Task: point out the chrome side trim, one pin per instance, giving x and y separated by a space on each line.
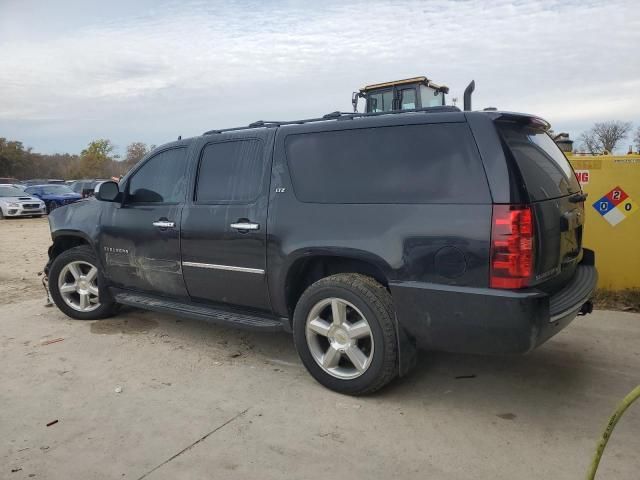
223 267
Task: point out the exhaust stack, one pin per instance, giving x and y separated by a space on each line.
467 95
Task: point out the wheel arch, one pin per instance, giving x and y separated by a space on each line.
310 268
64 240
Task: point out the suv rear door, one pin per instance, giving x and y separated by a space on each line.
556 199
224 227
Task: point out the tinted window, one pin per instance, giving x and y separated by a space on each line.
408 164
230 172
545 170
161 179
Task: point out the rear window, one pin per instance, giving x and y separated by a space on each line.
545 170
435 163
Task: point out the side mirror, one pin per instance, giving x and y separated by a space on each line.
354 101
108 192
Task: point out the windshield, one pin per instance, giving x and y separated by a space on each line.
545 170
56 190
10 192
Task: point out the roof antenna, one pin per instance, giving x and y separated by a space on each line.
179 137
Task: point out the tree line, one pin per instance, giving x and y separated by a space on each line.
98 160
606 136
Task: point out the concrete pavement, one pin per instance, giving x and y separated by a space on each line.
201 401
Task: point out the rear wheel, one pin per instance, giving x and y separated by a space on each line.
345 335
75 287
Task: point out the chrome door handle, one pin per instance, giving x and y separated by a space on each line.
164 224
245 226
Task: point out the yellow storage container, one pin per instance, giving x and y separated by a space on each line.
612 226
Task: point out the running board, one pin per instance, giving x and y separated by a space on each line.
250 321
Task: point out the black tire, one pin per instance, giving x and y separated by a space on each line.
36 216
83 253
375 303
1 215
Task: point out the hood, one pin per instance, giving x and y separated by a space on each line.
21 198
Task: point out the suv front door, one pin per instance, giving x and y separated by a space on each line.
140 240
224 226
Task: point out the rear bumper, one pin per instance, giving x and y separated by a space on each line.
484 320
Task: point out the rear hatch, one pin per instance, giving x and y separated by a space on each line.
555 197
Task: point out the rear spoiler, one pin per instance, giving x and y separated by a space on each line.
523 119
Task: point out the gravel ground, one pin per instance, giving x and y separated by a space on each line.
144 395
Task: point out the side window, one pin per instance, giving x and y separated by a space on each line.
429 97
380 102
161 179
437 163
230 172
408 99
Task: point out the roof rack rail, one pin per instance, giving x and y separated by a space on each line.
332 116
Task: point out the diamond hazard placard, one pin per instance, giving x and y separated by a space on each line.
615 206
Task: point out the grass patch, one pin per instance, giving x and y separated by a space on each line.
625 300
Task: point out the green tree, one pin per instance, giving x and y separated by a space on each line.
15 160
96 161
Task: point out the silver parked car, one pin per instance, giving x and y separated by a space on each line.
15 203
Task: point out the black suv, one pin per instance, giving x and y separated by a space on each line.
366 235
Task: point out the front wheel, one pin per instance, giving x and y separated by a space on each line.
74 285
344 333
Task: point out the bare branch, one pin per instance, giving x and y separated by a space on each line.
590 143
604 136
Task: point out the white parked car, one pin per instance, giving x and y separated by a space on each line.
15 203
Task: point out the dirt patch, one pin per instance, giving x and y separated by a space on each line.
624 300
23 253
130 325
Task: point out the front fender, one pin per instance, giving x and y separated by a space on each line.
80 220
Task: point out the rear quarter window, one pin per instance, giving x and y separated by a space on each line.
432 163
545 170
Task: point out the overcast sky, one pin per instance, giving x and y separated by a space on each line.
72 71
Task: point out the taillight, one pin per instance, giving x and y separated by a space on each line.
512 244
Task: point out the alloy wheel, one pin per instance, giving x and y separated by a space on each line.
339 338
78 286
